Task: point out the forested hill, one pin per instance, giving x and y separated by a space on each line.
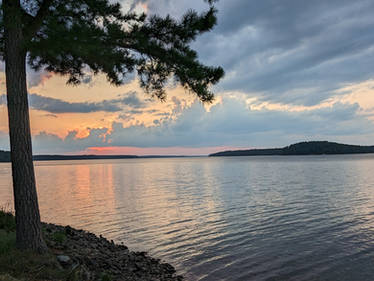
302 148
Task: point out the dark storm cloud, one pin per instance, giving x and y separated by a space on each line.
311 48
289 51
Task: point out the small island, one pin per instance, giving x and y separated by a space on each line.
301 148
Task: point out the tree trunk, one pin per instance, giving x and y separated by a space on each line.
28 226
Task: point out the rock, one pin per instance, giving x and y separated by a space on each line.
81 273
65 261
7 277
69 230
88 256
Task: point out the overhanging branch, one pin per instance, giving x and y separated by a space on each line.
37 21
27 18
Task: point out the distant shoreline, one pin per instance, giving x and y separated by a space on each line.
301 148
5 157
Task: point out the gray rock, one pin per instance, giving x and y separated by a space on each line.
65 261
89 256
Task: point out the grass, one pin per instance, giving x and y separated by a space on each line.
25 265
17 265
7 241
106 276
7 220
59 237
30 266
7 277
7 232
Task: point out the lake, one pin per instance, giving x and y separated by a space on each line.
235 218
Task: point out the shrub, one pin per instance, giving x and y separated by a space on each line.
7 221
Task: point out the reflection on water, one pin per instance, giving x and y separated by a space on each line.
244 218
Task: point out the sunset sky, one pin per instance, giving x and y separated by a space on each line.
295 71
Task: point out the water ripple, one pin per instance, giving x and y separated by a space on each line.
246 218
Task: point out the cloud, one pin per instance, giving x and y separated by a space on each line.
133 100
49 143
36 78
291 52
51 115
53 105
87 79
287 51
4 141
164 7
310 49
230 123
3 99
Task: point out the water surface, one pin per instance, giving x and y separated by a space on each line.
235 218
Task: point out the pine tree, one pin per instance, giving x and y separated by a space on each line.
67 37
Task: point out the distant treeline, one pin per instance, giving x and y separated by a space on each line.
302 148
5 157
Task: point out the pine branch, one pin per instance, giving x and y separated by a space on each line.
77 34
37 21
27 18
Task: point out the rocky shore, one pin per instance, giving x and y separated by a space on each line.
90 257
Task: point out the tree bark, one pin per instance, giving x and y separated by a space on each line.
28 225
